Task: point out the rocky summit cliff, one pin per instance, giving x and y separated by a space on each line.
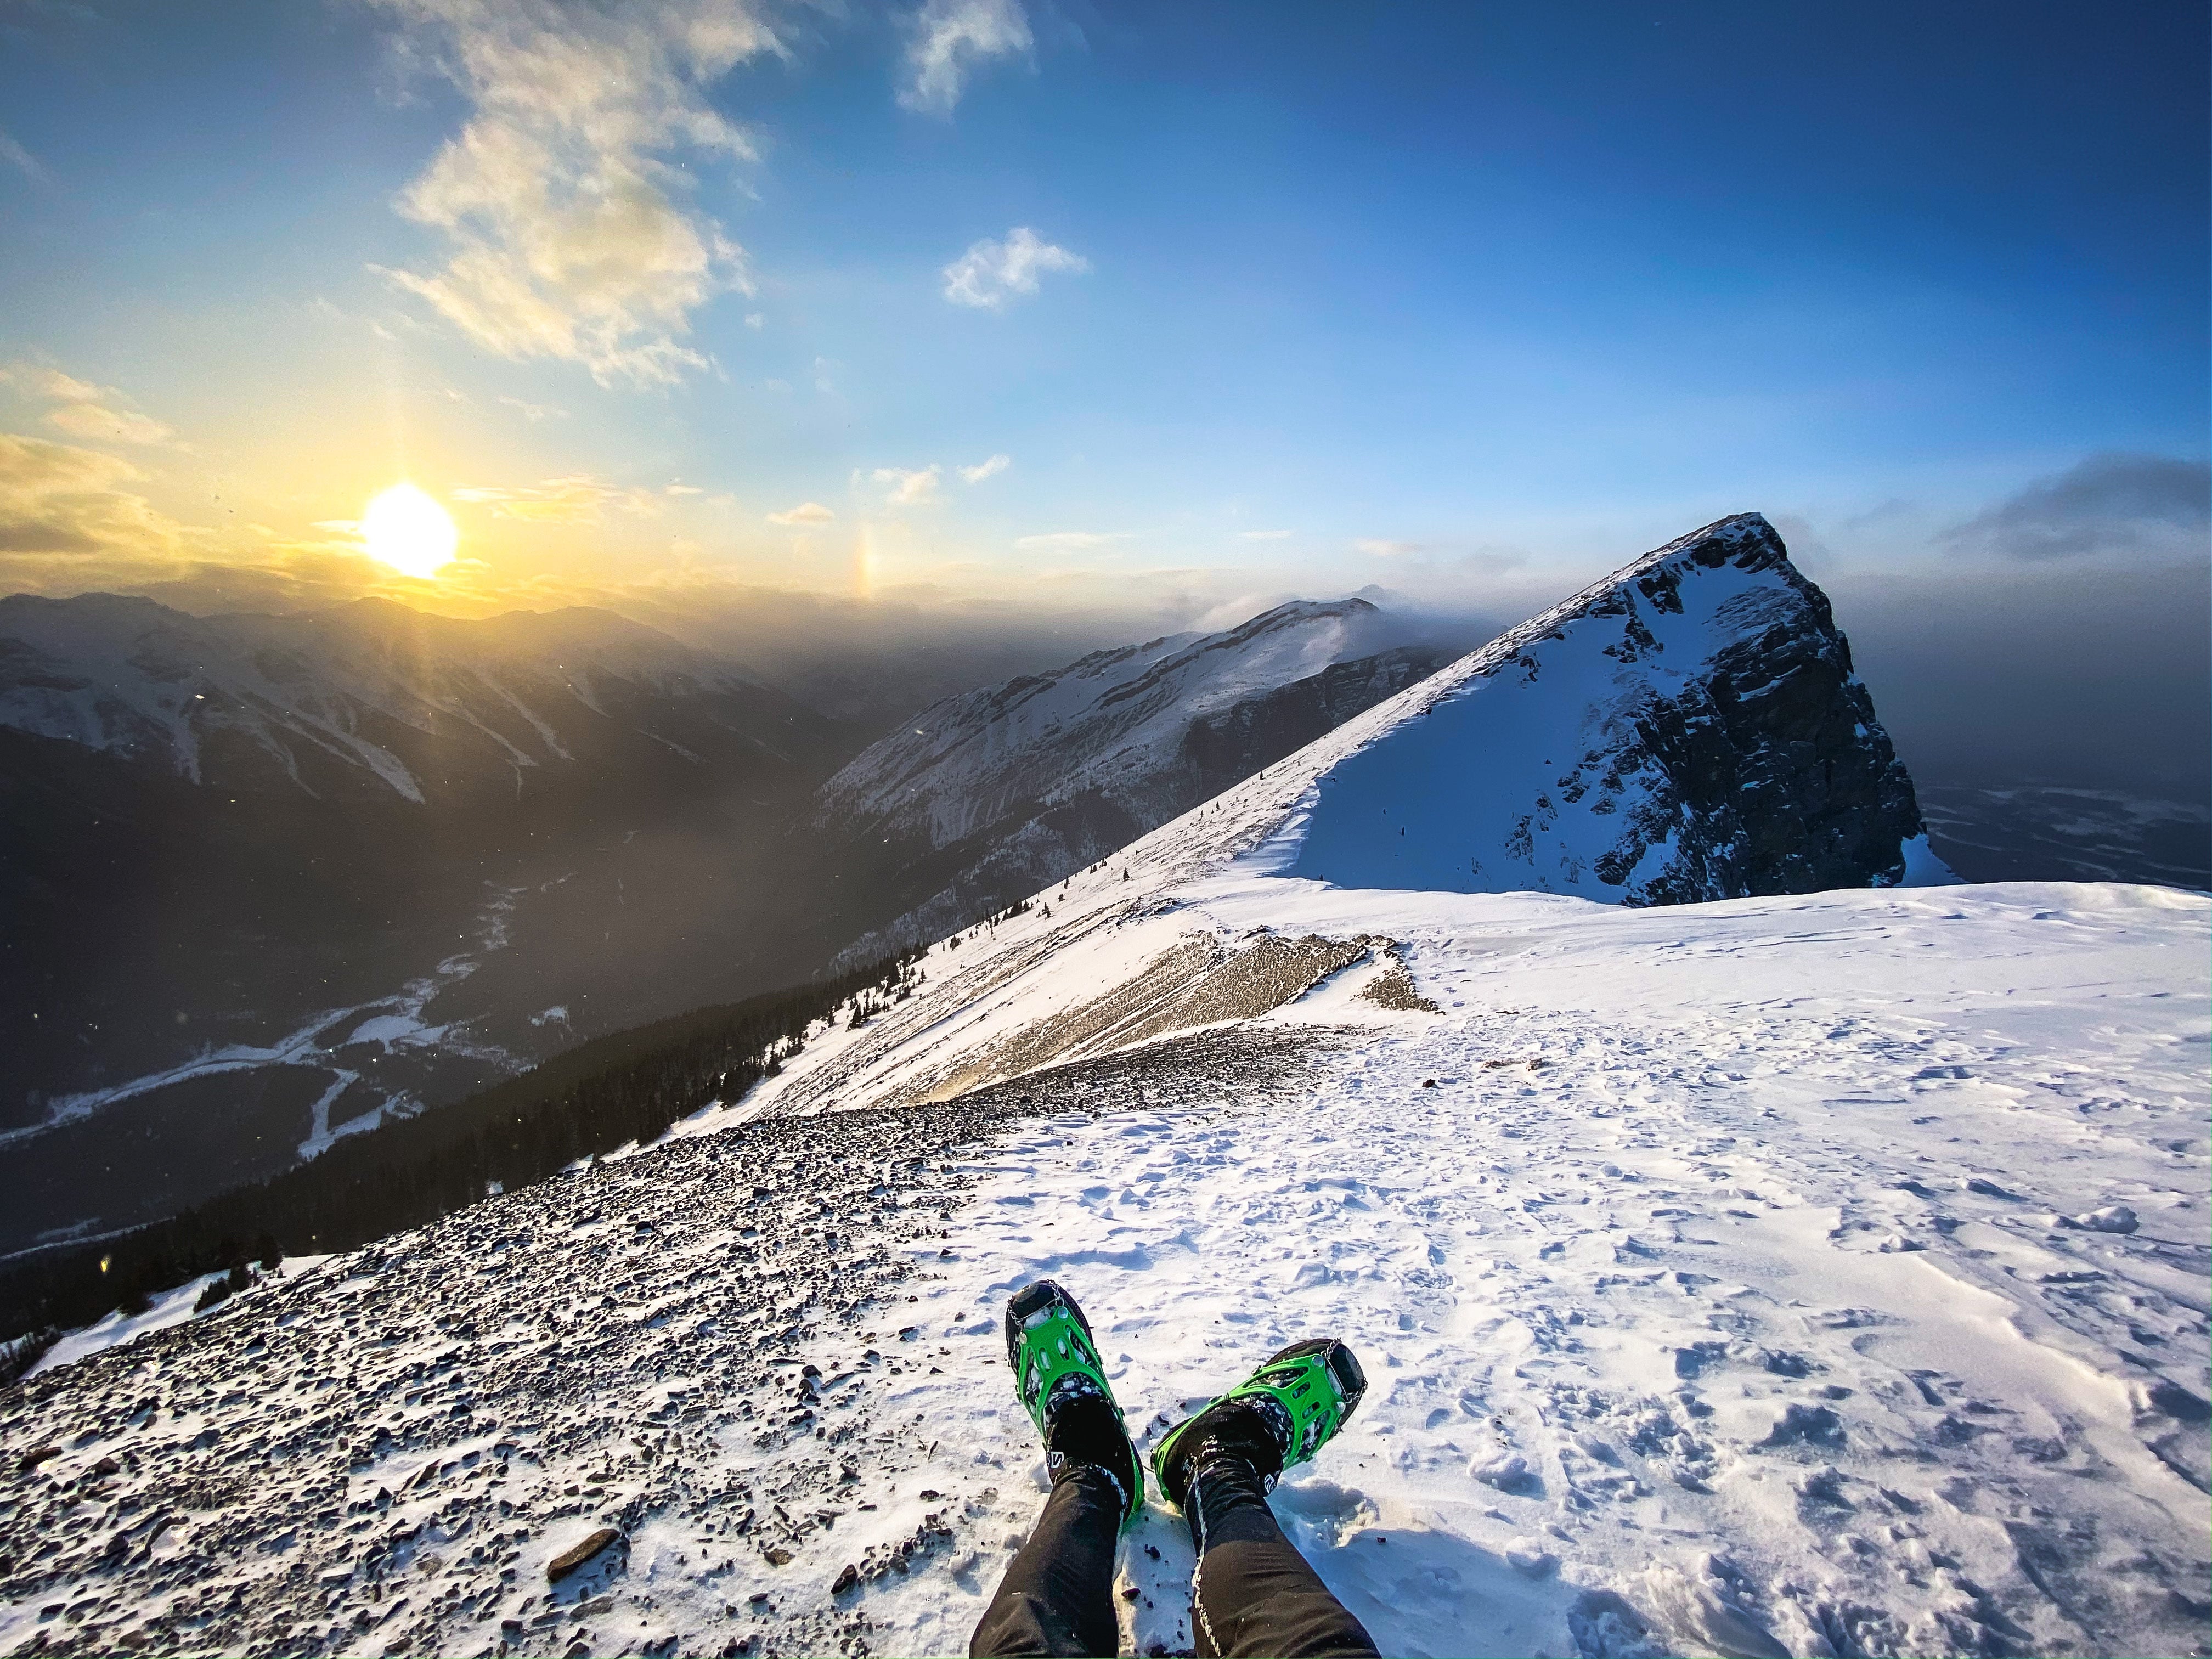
1689 728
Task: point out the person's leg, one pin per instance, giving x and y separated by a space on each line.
1252 1596
1057 1597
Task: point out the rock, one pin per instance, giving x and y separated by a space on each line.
1806 1425
847 1577
570 1559
38 1454
777 1556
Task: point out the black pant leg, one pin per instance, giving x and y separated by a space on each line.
1252 1596
1058 1594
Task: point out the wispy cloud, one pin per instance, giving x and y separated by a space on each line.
17 156
1375 548
571 240
989 469
806 513
2105 504
1068 540
909 489
1265 535
534 413
84 410
56 500
990 272
577 499
949 40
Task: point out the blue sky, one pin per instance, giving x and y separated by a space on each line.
1462 300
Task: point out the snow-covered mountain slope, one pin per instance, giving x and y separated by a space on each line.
413 701
1113 722
265 878
1690 728
1811 1274
1711 1264
985 798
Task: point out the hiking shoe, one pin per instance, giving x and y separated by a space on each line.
1274 1419
1063 1389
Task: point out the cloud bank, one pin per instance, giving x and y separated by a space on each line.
2105 504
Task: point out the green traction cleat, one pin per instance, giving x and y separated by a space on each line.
1063 1389
1274 1419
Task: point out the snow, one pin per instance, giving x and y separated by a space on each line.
171 1308
1113 719
1739 1224
1682 1172
1747 1278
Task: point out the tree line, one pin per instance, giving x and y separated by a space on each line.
590 1100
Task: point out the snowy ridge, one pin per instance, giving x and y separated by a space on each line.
1814 1274
145 682
1111 720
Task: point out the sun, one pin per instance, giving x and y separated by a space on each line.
409 531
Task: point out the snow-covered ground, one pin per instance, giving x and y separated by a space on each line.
1741 1226
1820 1275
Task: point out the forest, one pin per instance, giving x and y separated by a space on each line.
605 1094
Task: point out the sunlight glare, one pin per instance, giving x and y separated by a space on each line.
409 531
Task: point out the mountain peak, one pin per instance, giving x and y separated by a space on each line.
1688 728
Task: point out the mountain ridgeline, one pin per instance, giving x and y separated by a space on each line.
984 798
1688 729
276 882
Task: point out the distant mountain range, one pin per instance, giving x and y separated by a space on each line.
270 878
267 880
983 798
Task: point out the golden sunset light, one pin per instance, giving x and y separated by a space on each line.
1514 760
404 528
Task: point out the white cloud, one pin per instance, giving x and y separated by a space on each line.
534 413
991 271
952 39
806 513
41 381
989 469
1265 535
96 420
909 489
571 238
683 490
1378 549
755 320
1065 540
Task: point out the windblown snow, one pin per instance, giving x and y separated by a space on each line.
1821 1274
